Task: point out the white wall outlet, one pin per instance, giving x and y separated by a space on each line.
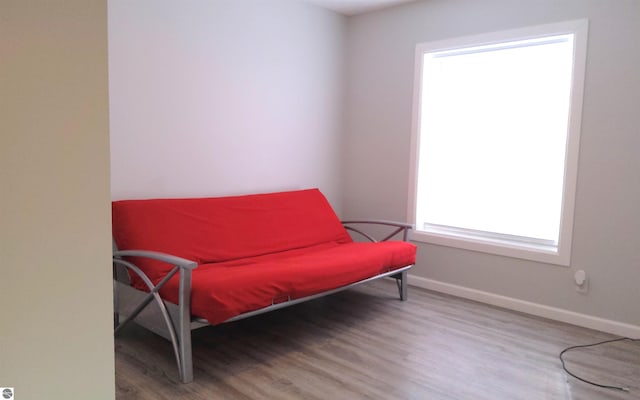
582 281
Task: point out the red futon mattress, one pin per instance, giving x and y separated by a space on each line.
252 251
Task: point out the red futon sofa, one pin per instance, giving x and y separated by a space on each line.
205 261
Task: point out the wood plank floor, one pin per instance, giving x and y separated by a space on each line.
366 344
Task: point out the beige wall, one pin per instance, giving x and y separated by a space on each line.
55 276
379 88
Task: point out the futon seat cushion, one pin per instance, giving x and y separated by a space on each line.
226 289
213 230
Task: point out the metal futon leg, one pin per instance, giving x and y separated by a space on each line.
401 281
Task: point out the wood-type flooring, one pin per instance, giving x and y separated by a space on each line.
365 343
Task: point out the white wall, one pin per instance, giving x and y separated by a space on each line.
224 97
56 329
379 85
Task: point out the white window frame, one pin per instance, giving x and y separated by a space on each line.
504 245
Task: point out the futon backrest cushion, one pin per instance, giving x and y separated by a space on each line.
218 229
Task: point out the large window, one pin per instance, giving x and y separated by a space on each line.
496 134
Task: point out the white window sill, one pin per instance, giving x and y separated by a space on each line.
526 251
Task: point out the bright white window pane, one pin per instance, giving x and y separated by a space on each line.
496 133
493 134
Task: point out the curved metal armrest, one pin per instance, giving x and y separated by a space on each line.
177 326
156 255
380 222
400 227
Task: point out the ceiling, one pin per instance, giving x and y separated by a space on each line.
353 7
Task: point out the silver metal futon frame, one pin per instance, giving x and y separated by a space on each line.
174 322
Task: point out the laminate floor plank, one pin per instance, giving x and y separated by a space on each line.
366 344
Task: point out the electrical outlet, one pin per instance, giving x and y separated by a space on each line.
582 281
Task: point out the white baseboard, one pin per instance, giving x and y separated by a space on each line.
558 314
